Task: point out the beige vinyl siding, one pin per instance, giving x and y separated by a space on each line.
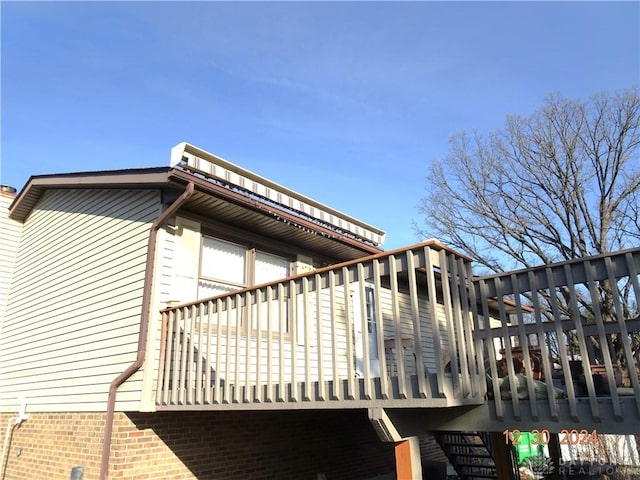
172 244
427 325
406 328
9 236
230 355
75 301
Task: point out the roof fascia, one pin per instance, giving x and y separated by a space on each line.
28 197
24 202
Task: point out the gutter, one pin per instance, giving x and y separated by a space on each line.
145 319
259 206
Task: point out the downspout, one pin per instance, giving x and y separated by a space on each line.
145 319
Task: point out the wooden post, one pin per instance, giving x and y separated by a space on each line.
556 455
408 463
502 456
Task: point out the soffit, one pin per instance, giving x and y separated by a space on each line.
223 205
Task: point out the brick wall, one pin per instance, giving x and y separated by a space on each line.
48 445
202 445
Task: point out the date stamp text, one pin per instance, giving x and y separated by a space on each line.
543 437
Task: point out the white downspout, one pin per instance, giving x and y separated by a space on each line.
11 425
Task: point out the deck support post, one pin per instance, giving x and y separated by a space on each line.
556 456
502 456
408 463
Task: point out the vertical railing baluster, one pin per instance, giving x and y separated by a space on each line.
523 341
379 318
282 330
466 288
459 323
228 301
515 401
190 363
490 349
432 294
187 345
199 387
584 354
208 367
258 382
479 343
293 307
162 386
306 316
320 339
451 330
604 346
216 368
335 360
247 329
397 322
557 315
270 353
348 310
163 351
415 320
176 356
238 335
184 365
535 286
364 327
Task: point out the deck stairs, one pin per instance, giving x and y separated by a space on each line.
469 453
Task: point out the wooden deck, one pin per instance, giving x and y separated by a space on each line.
414 333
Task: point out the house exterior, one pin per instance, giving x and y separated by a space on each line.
201 321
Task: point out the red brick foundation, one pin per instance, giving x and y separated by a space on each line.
201 445
48 445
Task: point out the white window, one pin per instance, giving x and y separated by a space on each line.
270 267
223 267
227 266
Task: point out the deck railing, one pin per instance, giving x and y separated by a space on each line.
576 327
413 328
392 329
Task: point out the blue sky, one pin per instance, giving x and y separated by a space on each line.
347 103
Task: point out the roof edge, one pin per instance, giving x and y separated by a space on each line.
194 159
24 202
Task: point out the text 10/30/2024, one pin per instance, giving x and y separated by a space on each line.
543 437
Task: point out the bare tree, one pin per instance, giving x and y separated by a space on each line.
559 184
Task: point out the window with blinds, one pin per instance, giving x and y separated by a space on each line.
226 266
223 267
